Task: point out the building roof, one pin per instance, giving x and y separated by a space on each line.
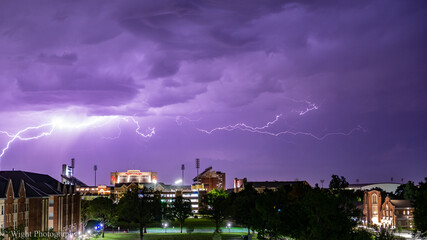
158 186
401 203
74 180
201 174
36 184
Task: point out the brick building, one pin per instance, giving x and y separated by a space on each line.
390 213
37 202
209 180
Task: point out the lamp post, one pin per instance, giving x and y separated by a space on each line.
229 227
165 225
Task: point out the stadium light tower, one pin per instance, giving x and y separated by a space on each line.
182 169
95 168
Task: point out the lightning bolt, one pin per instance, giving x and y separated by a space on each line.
310 107
18 135
58 123
263 130
148 135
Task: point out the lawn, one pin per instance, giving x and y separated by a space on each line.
172 236
195 222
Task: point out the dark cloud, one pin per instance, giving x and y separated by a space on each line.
63 59
225 62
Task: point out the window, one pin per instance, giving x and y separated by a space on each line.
50 202
374 199
50 216
26 222
27 207
15 208
2 210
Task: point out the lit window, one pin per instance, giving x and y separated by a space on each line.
374 199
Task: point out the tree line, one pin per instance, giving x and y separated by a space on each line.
297 212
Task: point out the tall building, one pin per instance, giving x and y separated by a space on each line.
210 180
135 176
38 202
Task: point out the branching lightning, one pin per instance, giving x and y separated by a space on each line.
310 107
263 130
59 123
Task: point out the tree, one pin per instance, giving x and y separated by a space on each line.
420 209
216 206
338 183
406 191
180 209
272 214
140 207
320 214
85 213
244 203
103 209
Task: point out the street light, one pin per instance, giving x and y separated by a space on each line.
229 227
166 225
178 181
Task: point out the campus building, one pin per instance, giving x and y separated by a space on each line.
209 180
135 176
67 175
167 192
386 186
37 202
390 213
261 186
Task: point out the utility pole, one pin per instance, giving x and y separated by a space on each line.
95 168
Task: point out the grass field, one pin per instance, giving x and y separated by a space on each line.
171 236
195 222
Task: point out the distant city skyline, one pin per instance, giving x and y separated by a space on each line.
271 90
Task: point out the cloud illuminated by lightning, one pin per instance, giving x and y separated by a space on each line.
263 130
180 119
47 129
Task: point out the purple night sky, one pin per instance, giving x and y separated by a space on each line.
347 80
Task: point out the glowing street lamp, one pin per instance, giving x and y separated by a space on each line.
229 227
165 225
178 181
